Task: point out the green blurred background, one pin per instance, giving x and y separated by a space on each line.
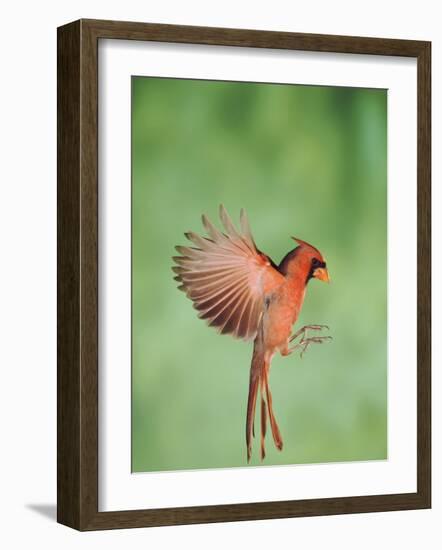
306 161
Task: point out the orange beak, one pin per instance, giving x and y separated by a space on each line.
322 274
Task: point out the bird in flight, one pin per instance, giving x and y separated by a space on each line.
239 290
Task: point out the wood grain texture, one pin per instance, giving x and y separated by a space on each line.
252 38
68 276
77 226
424 274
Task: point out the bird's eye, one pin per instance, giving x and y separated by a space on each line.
315 262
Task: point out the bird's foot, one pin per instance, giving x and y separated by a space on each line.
302 331
305 342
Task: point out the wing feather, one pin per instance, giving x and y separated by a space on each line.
245 228
226 276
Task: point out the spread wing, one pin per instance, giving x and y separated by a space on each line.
226 276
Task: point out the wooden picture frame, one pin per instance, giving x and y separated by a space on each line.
77 225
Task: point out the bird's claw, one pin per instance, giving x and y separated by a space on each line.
305 328
304 343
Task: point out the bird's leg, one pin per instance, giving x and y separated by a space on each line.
304 329
305 342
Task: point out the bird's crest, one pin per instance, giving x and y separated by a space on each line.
304 243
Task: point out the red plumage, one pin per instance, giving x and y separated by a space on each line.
239 290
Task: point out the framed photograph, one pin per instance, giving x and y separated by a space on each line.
243 275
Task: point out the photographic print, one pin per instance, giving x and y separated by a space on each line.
226 268
246 198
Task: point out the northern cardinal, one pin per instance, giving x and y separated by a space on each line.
240 291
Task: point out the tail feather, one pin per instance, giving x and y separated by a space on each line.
251 406
263 424
259 380
273 424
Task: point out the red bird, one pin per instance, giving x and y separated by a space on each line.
239 290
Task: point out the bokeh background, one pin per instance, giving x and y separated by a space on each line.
306 161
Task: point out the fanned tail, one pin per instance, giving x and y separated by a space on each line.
259 380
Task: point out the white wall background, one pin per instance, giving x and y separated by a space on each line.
28 271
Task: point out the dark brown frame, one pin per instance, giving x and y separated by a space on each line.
77 224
